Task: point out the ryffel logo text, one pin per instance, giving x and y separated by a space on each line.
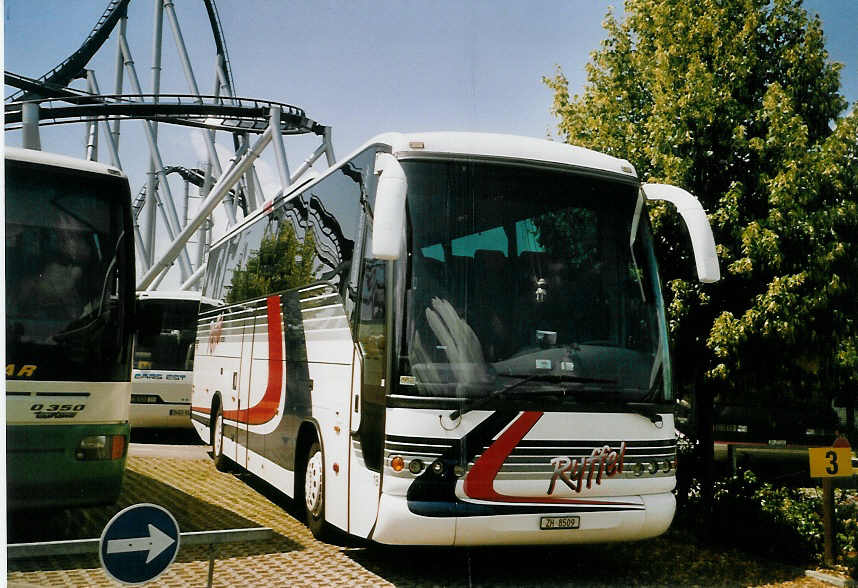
603 461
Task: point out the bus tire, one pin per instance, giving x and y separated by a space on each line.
314 491
221 461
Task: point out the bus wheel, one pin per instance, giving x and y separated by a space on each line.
220 460
314 491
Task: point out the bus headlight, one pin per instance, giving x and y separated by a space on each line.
100 447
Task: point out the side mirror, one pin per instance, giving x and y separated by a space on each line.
389 214
692 213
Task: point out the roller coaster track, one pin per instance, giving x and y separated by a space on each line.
51 101
220 46
208 112
72 66
193 175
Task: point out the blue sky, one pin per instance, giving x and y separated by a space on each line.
363 67
368 67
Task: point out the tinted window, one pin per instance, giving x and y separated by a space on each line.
334 207
165 334
533 274
308 238
69 274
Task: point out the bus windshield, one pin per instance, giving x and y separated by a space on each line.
529 281
69 275
165 334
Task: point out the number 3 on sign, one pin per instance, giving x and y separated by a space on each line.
830 462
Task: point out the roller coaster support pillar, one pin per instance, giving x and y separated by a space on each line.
118 79
326 148
190 282
150 208
220 190
250 190
30 126
157 36
139 245
171 218
279 149
329 146
92 125
92 82
170 11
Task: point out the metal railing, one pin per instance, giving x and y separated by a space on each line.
91 546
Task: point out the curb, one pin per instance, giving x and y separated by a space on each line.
829 579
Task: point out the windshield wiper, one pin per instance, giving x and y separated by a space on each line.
647 410
529 378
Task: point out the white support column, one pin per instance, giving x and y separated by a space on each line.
205 228
120 72
111 143
150 207
171 218
170 11
329 146
308 163
279 148
195 277
30 138
139 246
92 125
226 181
260 192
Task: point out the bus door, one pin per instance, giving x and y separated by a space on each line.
367 412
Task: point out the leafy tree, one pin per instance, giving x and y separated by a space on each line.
737 102
282 262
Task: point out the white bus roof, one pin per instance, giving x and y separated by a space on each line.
176 295
57 160
501 146
463 144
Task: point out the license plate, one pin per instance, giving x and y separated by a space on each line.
180 412
546 523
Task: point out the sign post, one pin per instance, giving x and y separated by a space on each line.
828 463
139 543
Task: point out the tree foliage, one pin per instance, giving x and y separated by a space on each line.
282 262
737 102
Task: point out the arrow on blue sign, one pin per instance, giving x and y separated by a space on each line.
140 532
155 543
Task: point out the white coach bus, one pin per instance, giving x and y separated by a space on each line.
451 339
164 336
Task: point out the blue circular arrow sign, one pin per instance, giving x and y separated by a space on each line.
139 543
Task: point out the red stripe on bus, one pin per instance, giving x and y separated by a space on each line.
266 409
479 483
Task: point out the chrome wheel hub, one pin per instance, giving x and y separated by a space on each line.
313 484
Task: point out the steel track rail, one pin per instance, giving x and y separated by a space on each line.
72 66
243 115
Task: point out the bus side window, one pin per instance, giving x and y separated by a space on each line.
336 208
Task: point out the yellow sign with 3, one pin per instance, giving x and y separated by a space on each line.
830 462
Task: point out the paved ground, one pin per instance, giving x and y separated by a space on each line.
183 479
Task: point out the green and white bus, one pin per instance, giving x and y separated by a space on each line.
69 311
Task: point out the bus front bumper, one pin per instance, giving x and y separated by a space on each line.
397 525
173 416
